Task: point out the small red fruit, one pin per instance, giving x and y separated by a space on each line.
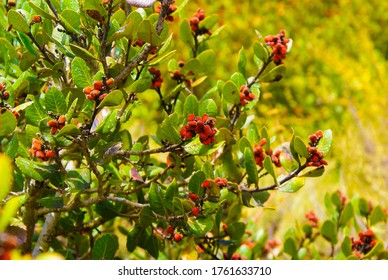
195 211
178 237
97 85
36 19
110 82
50 154
193 197
87 90
170 229
36 145
52 123
61 119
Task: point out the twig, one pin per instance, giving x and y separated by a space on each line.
41 48
171 148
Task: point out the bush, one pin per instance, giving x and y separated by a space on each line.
111 134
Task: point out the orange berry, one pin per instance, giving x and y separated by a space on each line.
1 86
36 144
53 130
95 93
50 154
110 82
6 95
36 19
61 119
52 123
87 90
40 154
102 96
97 85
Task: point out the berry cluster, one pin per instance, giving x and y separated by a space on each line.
4 94
203 126
246 95
56 124
179 77
366 242
279 46
176 236
316 157
312 218
39 150
199 15
260 154
271 244
220 182
171 9
99 90
157 79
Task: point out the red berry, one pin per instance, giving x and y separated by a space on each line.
36 19
36 145
52 123
97 85
206 184
50 154
193 197
1 86
195 211
40 154
170 229
178 237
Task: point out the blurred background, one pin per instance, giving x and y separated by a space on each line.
336 78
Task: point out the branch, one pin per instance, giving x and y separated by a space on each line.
126 201
47 234
41 48
273 186
171 148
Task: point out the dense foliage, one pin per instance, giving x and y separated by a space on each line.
125 133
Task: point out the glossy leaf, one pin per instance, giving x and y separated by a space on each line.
300 147
346 214
231 93
250 166
209 107
69 130
105 247
260 51
55 101
81 73
329 231
326 142
292 185
191 105
18 21
199 226
157 203
377 215
274 75
7 123
113 98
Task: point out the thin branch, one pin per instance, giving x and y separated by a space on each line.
171 148
104 40
274 186
47 234
126 201
41 48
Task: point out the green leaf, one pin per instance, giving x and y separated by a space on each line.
242 62
346 214
28 44
250 165
238 79
317 172
195 183
293 151
274 75
81 73
300 147
264 134
199 226
287 160
207 59
9 211
326 142
268 165
36 171
18 22
51 202
134 237
329 231
106 210
55 101
171 192
208 22
231 93
236 230
146 216
244 143
151 244
208 170
292 185
141 85
363 206
169 131
346 246
376 216
7 123
260 51
191 67
79 179
289 247
253 134
191 105
41 12
6 175
147 33
114 98
12 148
69 129
209 107
108 123
157 202
105 247
81 52
185 34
